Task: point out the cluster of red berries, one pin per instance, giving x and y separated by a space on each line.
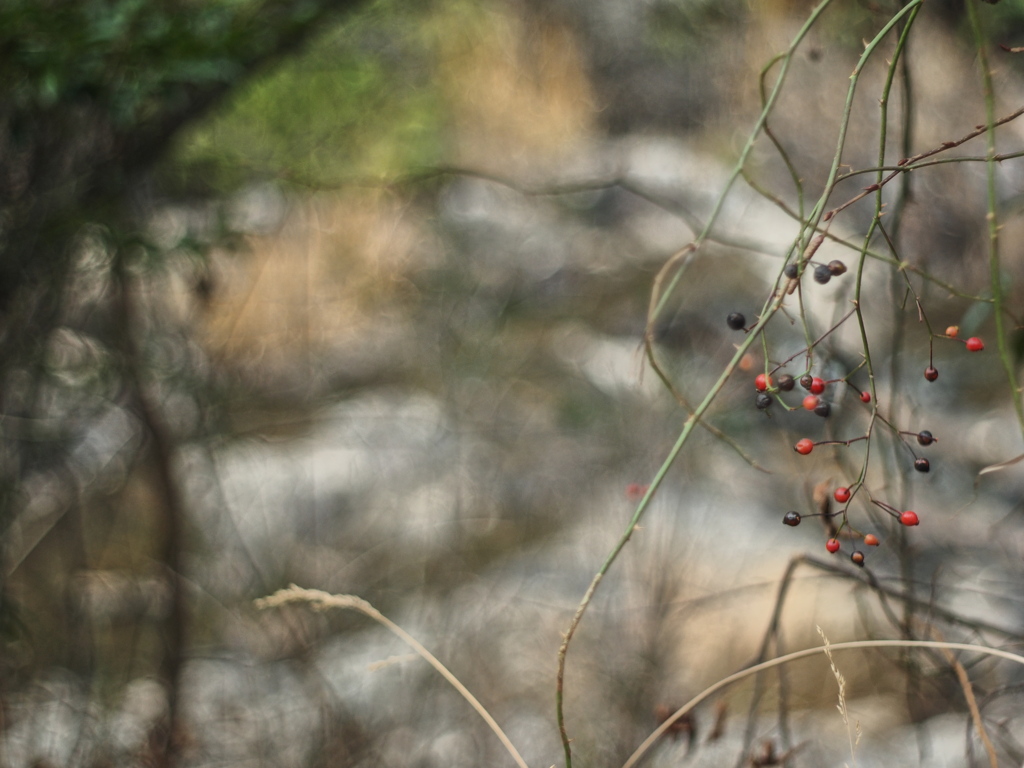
973 344
833 545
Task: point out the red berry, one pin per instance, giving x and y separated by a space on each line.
636 491
817 386
811 402
865 397
931 373
762 382
842 495
974 344
909 518
858 558
832 545
871 540
804 446
952 331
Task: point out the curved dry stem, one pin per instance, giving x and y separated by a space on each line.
319 600
853 644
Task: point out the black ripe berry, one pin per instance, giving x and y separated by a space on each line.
822 274
858 558
736 321
931 373
786 382
791 518
924 437
922 465
762 401
836 267
823 409
806 381
791 271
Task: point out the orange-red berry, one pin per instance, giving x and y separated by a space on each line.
909 518
804 446
952 331
871 540
865 397
811 402
762 382
842 495
858 558
974 344
832 545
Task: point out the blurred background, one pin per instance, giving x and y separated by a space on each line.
353 294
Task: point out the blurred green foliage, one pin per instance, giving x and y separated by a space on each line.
363 100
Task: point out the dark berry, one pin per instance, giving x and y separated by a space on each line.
786 382
822 274
823 409
842 495
836 267
736 321
791 271
762 401
858 558
922 465
832 545
974 344
806 380
924 437
804 446
931 373
791 518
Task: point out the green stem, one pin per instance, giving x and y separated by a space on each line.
995 272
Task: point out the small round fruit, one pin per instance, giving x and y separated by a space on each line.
806 381
952 331
865 397
817 386
832 545
836 267
924 437
842 495
762 382
791 271
791 519
786 382
931 373
823 409
736 321
922 465
857 557
974 344
871 540
762 401
909 518
804 446
811 402
822 274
